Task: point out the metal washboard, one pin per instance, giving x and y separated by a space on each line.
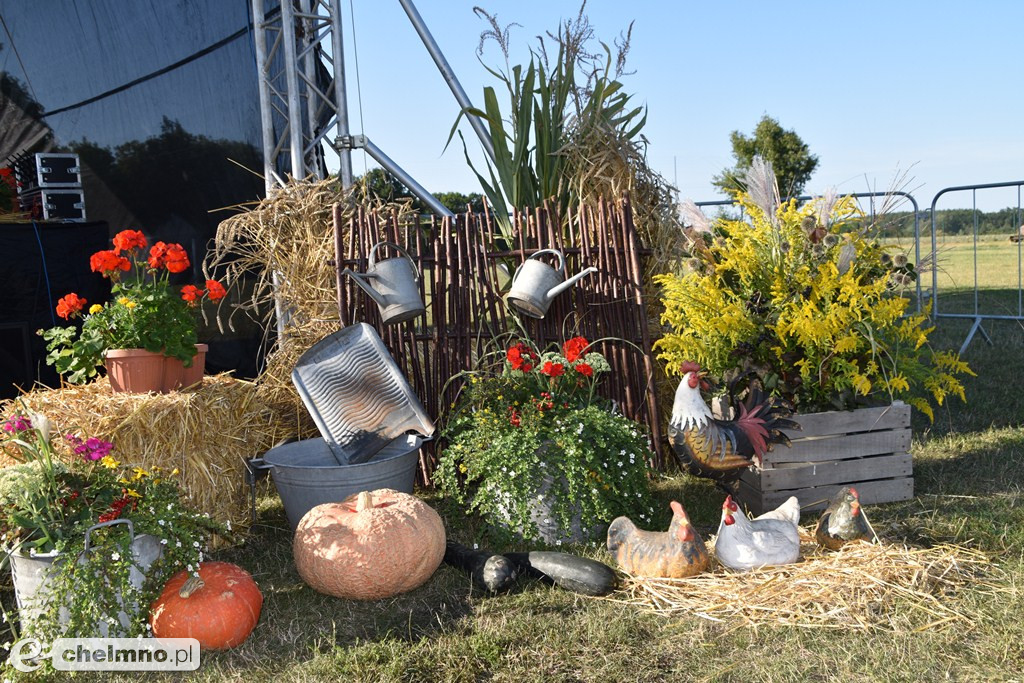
357 395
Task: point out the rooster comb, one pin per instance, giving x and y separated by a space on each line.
689 366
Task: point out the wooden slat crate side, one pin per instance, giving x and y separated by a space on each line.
837 447
837 471
894 416
870 492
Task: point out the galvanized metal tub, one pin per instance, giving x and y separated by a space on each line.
306 473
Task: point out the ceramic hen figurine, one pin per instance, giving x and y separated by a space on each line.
771 539
721 449
675 554
842 521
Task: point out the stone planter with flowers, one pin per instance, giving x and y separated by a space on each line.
538 454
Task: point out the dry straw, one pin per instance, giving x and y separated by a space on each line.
206 433
284 245
869 586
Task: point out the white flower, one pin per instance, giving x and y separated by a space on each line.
163 541
178 543
41 423
195 544
188 567
558 542
620 463
115 556
228 525
161 522
170 506
476 546
200 556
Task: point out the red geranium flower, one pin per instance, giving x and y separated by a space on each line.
69 305
191 293
585 370
215 290
519 356
108 261
157 255
176 260
553 369
573 348
126 240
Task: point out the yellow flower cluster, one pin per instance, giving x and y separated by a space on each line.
810 303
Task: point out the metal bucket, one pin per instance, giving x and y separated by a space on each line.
31 576
306 473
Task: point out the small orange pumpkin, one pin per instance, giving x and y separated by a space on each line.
219 608
372 545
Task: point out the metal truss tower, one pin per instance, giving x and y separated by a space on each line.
300 57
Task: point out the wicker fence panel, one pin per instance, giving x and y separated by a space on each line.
466 267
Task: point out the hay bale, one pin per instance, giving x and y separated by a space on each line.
206 433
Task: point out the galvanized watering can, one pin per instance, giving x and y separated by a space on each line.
535 283
392 284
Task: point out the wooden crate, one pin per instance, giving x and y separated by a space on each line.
868 448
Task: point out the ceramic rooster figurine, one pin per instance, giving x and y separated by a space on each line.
721 449
842 521
769 540
675 554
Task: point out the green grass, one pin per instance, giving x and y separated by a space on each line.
969 476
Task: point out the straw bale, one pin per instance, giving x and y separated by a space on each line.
869 586
206 433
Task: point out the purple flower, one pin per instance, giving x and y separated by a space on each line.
97 448
17 423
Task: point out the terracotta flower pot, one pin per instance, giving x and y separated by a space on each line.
135 371
177 376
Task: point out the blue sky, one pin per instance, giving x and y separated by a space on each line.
932 90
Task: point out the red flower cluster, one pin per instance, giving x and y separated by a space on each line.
170 256
553 369
108 261
69 305
7 176
574 348
214 292
521 357
584 369
126 240
513 417
118 506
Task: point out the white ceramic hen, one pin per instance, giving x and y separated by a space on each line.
769 540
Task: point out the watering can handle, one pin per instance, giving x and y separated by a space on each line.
88 532
556 252
373 256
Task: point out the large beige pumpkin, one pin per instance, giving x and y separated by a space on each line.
372 545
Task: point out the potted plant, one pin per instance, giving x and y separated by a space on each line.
147 320
533 449
809 302
90 543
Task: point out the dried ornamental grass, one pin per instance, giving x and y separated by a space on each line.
869 586
207 434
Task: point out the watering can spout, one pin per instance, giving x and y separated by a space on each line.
558 289
361 280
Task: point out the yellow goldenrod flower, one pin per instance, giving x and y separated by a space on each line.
133 493
123 301
130 305
95 308
109 462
